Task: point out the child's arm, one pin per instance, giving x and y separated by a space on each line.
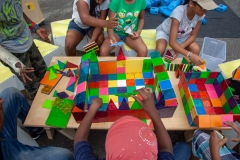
89 20
215 144
84 127
176 47
164 141
15 64
110 30
98 30
135 35
192 36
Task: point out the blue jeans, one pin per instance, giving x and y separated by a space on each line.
15 106
181 151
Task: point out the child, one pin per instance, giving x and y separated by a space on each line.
129 138
181 28
210 147
87 14
130 14
17 50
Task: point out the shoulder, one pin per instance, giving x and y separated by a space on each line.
105 3
180 9
178 13
165 155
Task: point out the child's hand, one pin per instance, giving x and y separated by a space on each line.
215 142
113 22
147 101
196 59
236 128
236 97
134 35
112 39
96 103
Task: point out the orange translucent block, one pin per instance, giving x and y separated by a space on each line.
204 121
223 99
237 75
107 67
216 103
216 120
46 81
130 82
76 110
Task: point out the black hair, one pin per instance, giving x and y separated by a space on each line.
92 11
186 2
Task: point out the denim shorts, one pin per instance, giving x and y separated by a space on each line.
73 26
122 38
162 35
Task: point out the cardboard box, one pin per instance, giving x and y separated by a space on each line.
32 9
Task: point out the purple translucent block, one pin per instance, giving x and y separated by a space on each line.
232 102
104 77
122 89
85 63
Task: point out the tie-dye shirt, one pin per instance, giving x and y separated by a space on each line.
15 35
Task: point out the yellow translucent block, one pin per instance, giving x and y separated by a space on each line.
130 99
228 67
130 104
121 63
130 76
193 113
5 73
59 28
138 75
113 98
133 66
44 48
112 83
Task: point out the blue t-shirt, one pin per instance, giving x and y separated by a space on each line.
83 151
15 35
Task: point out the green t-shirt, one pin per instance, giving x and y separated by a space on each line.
127 14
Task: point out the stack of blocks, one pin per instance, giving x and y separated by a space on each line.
207 99
111 80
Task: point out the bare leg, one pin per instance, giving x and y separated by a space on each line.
194 48
137 45
161 45
73 38
106 48
100 38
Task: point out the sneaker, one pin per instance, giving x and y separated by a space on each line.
36 134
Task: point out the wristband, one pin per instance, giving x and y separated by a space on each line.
189 55
33 26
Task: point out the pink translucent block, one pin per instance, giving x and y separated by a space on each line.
103 91
121 70
209 87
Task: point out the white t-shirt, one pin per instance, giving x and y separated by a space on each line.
76 17
185 26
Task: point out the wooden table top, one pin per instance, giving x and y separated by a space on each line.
38 115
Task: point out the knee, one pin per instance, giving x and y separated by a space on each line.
104 51
142 51
160 49
100 41
69 45
196 49
10 91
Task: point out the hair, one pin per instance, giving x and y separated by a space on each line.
92 8
93 5
187 1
